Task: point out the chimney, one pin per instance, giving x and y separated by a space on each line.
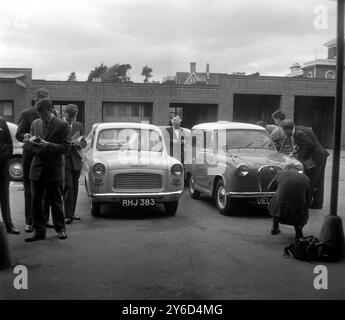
193 67
207 70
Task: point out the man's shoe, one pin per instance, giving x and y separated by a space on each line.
275 232
28 228
12 230
49 225
62 235
35 237
75 217
68 220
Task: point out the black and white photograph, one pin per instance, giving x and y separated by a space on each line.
173 155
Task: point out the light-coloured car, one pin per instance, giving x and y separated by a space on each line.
128 163
15 163
232 160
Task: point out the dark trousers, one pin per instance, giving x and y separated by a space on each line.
71 191
5 194
317 181
27 159
53 190
298 229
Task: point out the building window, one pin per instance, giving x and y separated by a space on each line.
6 110
310 74
127 112
330 74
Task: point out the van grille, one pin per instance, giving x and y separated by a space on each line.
137 181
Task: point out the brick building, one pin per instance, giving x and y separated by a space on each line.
309 101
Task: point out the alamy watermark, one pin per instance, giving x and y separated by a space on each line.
320 21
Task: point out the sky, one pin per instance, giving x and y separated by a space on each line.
56 37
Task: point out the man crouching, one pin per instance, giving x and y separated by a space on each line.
47 170
290 203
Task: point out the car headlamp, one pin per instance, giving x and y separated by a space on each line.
242 170
98 169
177 170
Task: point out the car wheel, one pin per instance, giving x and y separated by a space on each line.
194 194
95 208
223 202
171 207
16 169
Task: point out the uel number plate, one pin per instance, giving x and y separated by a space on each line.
138 202
263 201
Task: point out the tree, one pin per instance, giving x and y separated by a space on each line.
118 73
146 72
72 77
98 72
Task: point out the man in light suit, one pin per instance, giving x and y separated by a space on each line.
47 170
177 138
73 163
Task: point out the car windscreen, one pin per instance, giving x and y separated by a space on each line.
242 139
129 139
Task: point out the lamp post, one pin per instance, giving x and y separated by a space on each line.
332 228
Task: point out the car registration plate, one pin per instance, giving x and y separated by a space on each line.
147 202
263 200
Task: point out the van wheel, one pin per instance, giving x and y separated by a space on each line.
194 194
15 169
95 208
223 202
171 207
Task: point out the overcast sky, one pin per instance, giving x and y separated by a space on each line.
56 37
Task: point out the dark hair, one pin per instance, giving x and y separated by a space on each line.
280 115
44 104
71 109
261 123
287 124
41 93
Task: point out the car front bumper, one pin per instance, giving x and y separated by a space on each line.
248 195
119 196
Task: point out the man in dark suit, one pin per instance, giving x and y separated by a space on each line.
312 155
6 150
47 170
177 139
73 163
23 133
290 203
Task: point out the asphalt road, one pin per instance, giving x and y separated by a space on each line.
198 254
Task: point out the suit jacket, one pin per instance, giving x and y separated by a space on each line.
319 153
25 120
73 160
290 202
49 161
6 144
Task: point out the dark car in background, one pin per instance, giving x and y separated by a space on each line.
16 167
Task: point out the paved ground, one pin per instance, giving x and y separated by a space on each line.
199 254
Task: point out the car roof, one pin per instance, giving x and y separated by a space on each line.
224 125
125 125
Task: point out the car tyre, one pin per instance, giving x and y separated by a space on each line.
95 208
171 207
194 194
16 169
223 201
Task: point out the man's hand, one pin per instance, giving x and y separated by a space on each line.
43 142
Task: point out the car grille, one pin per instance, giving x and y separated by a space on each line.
137 181
266 174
